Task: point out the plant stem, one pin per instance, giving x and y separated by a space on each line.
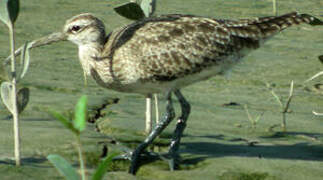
277 98
253 123
284 122
285 108
14 96
82 163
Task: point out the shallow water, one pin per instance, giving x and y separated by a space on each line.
219 142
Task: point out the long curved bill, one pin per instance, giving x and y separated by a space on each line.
46 40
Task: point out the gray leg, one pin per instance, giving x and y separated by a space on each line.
180 126
169 116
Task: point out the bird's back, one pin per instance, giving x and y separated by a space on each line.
171 48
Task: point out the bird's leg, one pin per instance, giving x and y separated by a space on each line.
169 116
180 126
148 114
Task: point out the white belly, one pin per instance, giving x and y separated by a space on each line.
164 86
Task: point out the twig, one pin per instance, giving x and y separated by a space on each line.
285 108
277 98
315 76
317 114
252 120
291 91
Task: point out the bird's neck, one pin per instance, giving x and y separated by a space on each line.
87 54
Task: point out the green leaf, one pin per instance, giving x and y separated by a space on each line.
68 124
22 99
130 10
80 114
321 58
6 95
103 167
148 7
9 10
63 167
25 59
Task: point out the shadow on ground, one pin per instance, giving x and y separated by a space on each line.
296 151
30 161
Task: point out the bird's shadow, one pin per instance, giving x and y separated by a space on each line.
31 161
294 151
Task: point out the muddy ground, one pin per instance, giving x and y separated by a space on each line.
219 142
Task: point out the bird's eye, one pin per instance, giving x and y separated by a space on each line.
76 28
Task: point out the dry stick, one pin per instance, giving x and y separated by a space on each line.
14 97
317 114
252 120
285 108
315 76
277 98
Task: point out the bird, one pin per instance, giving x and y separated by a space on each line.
164 54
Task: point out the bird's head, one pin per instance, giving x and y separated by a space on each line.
84 29
81 29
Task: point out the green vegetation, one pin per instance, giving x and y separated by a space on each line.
284 107
15 100
76 127
212 146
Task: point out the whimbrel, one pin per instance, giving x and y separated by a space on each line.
164 54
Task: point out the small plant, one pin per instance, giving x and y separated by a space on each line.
76 127
252 120
135 11
15 100
312 78
284 107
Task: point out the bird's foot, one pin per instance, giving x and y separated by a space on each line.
174 161
144 155
137 158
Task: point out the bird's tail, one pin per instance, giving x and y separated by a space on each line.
290 19
266 27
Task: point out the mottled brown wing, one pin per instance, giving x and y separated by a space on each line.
172 46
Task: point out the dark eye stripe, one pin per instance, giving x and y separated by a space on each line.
78 28
75 28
